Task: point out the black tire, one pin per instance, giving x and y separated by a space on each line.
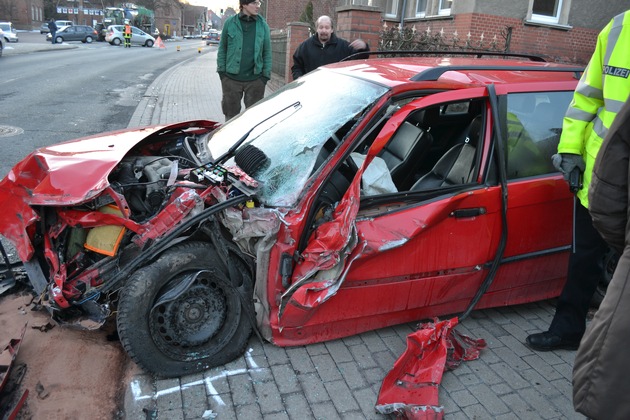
59 40
201 327
89 39
116 41
149 43
609 264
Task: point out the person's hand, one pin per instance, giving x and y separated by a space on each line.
358 44
264 79
567 162
221 75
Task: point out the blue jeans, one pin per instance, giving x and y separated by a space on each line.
53 34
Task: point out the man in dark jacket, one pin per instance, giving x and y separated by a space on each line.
53 30
324 48
601 370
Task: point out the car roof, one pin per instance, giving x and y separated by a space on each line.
455 72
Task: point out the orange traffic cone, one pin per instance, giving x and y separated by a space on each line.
160 43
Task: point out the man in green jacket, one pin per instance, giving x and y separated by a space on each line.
603 89
244 58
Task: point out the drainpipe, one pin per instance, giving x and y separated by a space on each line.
402 14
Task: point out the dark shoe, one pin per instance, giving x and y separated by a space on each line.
546 341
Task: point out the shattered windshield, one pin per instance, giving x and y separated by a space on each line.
291 126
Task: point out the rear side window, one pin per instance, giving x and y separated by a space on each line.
534 124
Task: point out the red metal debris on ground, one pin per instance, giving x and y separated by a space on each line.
410 389
6 363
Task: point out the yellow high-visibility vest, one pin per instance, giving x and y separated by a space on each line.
602 90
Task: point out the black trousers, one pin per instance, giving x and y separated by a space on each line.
585 272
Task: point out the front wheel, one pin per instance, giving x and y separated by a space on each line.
184 314
59 40
149 43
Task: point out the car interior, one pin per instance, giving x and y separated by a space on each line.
434 148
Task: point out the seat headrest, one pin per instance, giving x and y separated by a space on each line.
474 130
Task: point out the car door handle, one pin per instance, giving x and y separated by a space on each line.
478 211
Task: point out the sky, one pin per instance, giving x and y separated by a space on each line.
215 5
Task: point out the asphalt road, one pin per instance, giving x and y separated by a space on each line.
51 93
62 94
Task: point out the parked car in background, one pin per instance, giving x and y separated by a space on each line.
60 24
83 33
213 37
8 32
1 42
138 36
424 189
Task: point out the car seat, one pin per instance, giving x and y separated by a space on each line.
407 147
456 165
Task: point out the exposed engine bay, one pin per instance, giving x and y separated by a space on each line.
87 250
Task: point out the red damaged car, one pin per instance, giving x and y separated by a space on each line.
365 194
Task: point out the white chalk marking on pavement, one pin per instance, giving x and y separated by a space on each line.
136 391
250 360
210 389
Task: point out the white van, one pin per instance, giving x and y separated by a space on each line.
61 23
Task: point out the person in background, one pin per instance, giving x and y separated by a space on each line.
600 370
53 30
244 58
324 47
600 94
127 34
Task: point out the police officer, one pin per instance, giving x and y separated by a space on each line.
127 34
603 89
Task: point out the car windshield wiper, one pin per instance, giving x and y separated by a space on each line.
296 105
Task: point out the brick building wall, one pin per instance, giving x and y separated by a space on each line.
561 45
359 22
280 13
168 18
24 14
477 30
568 46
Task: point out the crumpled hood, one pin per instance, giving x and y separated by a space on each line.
68 174
71 172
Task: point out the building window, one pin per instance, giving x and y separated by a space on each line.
549 11
391 8
421 8
445 7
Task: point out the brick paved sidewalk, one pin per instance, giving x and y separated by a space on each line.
341 379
